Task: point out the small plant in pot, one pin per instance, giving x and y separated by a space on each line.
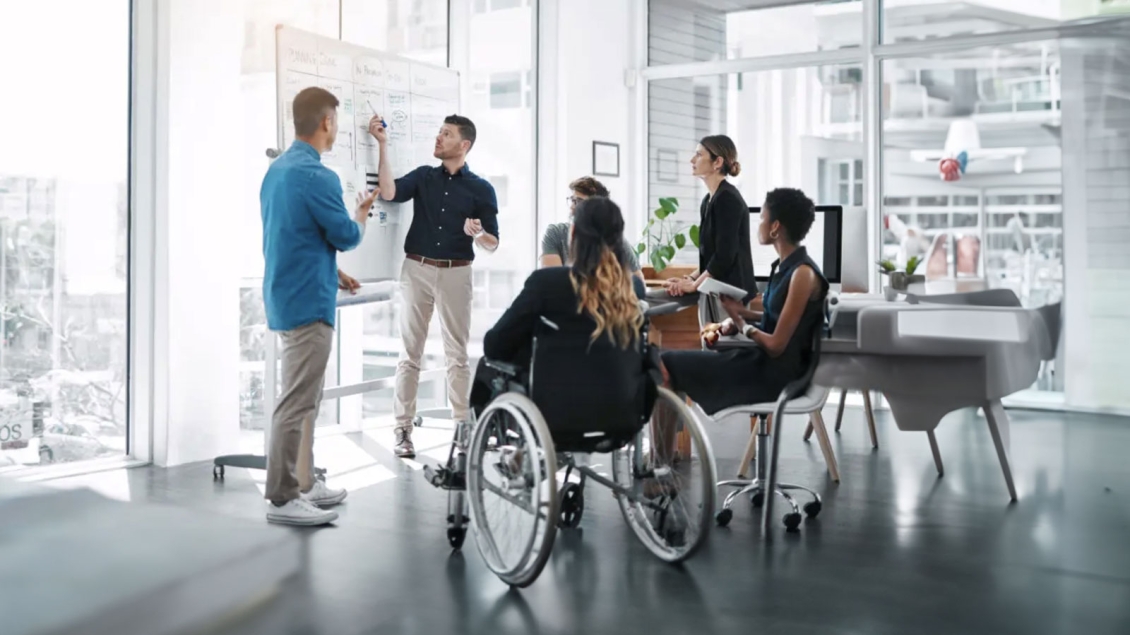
901 280
660 239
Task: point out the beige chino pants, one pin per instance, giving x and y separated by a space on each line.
424 289
290 458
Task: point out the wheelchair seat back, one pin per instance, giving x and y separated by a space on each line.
594 396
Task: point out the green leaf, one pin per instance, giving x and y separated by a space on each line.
680 241
694 235
912 265
667 251
657 261
662 213
669 205
640 248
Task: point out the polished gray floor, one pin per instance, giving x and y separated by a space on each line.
896 550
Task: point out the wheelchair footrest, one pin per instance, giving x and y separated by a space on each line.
445 478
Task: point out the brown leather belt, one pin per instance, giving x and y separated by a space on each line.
441 264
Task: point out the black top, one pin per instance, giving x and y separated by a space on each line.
747 375
793 360
578 384
724 248
441 204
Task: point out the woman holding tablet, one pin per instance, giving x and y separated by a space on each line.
724 248
793 305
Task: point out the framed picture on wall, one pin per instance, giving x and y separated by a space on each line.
605 158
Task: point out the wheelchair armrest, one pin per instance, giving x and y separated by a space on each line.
505 368
666 308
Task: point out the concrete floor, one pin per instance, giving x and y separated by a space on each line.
896 550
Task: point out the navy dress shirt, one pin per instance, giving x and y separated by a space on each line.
441 202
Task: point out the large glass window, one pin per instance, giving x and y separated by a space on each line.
498 96
972 181
684 31
416 30
972 167
796 128
904 20
64 226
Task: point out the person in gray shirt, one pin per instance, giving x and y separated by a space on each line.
555 242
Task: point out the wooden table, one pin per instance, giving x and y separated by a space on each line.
677 331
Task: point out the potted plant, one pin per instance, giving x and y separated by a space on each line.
660 238
901 280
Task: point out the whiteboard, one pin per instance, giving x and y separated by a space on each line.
412 97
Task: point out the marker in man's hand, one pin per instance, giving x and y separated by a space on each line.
383 124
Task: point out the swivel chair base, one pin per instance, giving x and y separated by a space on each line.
755 488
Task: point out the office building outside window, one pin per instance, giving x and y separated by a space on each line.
64 232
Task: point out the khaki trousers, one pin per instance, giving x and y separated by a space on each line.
447 291
290 459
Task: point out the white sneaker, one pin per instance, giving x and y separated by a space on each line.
323 496
299 512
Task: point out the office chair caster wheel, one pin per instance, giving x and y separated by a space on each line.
455 536
792 521
724 517
572 506
812 510
217 472
757 499
417 422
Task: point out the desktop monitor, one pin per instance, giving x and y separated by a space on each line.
823 242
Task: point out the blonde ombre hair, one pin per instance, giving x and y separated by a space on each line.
600 274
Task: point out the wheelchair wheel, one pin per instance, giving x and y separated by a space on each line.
512 489
671 507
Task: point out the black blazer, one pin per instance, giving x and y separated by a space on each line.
579 386
724 248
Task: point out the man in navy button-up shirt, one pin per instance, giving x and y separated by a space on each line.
305 224
454 209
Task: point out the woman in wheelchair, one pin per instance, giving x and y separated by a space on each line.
566 371
791 307
593 302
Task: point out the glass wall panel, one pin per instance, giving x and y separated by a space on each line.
64 231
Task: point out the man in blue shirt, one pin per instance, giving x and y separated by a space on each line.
305 224
453 210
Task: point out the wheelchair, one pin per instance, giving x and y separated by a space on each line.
504 466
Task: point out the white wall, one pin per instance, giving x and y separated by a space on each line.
199 190
585 55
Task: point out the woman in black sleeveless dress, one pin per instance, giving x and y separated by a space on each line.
790 309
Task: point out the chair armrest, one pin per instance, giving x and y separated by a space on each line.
505 368
666 308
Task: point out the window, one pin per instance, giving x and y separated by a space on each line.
416 30
64 234
506 90
906 20
500 97
483 6
780 122
501 185
931 102
680 31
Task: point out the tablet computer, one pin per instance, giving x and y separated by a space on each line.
714 287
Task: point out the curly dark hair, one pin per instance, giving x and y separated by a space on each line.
589 187
793 209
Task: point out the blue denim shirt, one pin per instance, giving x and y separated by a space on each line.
441 202
305 224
